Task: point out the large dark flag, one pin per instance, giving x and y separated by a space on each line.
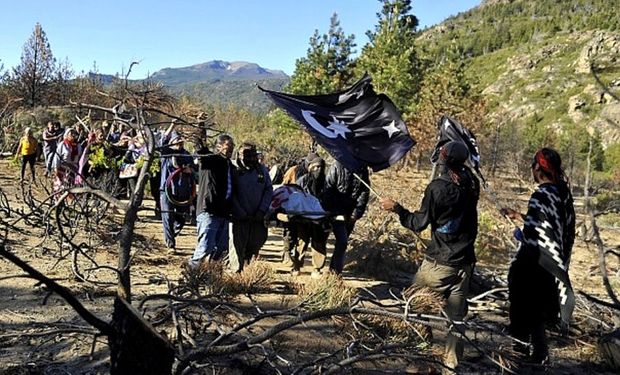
358 127
452 130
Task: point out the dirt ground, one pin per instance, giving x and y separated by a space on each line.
32 339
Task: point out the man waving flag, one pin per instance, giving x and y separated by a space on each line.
358 127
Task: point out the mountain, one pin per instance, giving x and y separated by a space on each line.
223 83
216 70
546 62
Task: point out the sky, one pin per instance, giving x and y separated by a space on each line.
177 33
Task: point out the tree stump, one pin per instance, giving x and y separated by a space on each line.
135 346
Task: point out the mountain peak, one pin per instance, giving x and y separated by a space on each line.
216 70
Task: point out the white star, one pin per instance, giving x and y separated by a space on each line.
391 129
338 127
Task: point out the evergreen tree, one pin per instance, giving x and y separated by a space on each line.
390 56
328 65
32 78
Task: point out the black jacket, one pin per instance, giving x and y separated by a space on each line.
344 194
213 178
451 211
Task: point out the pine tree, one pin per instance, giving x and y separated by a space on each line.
390 56
328 65
32 78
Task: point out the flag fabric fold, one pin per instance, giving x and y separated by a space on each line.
452 130
358 127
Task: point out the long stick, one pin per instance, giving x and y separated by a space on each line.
366 184
378 196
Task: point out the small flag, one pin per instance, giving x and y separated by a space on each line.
358 127
452 130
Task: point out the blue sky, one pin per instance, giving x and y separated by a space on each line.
159 34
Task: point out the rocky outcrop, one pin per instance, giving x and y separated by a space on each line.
603 50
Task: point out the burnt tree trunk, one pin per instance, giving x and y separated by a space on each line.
135 346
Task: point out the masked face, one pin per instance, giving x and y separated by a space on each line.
315 169
248 158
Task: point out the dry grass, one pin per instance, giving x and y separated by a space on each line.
329 291
212 278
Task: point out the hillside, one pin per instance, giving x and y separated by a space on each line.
222 83
551 63
219 83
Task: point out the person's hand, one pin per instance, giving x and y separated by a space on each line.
510 213
388 204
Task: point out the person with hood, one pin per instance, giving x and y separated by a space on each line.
344 195
449 206
251 197
538 284
214 201
312 234
176 186
27 150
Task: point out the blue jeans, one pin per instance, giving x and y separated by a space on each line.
212 238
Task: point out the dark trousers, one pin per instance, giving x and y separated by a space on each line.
532 293
342 230
154 182
28 159
248 238
173 220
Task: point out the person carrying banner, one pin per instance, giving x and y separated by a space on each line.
214 202
251 197
346 195
176 186
449 207
538 283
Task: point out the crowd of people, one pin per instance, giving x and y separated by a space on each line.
229 190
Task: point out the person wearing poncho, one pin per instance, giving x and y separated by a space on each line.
538 282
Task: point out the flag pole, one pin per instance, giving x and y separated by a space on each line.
378 196
366 184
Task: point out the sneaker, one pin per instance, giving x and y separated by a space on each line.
172 251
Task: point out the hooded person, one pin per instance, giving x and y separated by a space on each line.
251 197
539 287
449 206
311 234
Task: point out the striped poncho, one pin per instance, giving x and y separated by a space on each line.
548 237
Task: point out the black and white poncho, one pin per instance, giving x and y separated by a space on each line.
548 237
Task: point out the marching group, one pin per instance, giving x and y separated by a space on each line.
236 195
